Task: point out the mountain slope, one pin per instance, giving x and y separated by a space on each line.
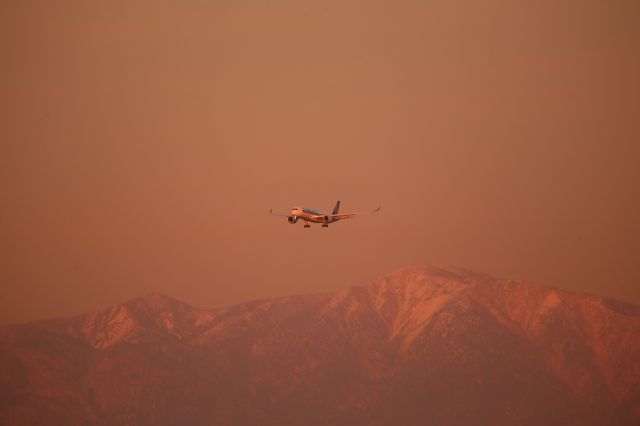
419 346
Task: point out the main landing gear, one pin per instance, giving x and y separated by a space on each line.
306 225
325 225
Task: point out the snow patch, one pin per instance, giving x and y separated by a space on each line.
550 302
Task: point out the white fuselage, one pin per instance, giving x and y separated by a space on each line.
309 215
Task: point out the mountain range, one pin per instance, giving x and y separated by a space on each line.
420 346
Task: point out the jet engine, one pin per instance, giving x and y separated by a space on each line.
292 219
326 219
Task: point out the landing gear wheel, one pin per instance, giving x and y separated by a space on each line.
324 225
307 226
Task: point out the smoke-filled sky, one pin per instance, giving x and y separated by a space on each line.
143 143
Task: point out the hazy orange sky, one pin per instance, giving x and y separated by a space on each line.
143 145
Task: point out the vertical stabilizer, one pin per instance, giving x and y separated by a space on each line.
336 208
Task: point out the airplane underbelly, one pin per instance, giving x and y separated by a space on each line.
311 218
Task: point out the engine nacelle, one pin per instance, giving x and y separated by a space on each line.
292 219
326 219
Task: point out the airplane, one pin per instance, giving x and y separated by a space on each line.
309 215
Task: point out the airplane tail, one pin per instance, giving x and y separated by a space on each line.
336 208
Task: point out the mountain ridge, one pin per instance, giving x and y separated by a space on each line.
446 343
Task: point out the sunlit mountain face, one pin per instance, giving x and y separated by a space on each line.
419 346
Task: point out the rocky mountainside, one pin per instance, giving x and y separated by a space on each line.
419 346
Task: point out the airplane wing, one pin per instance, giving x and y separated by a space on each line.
343 216
278 214
350 215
